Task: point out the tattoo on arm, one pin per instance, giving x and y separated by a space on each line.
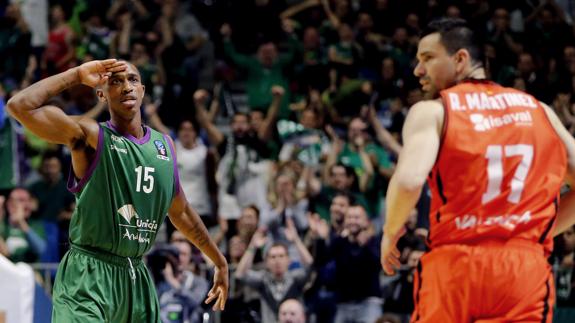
197 232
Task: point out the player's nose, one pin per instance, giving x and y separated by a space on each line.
419 71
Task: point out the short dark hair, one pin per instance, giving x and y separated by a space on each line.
345 194
50 154
240 114
255 208
192 121
348 170
275 245
455 35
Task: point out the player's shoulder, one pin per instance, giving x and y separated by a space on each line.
427 109
424 113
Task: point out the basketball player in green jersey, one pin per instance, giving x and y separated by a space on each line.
125 180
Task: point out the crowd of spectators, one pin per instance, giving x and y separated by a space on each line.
287 118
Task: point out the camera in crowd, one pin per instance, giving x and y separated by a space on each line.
159 257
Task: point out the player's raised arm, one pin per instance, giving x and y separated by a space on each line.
50 122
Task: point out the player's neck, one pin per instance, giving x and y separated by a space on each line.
475 73
132 127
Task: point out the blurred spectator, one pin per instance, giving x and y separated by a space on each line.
534 81
15 45
180 291
121 38
506 42
345 56
391 83
35 13
388 137
276 283
564 268
95 43
243 303
291 311
286 205
338 177
384 13
312 70
243 166
371 42
322 298
196 165
264 71
22 241
50 193
59 54
370 162
10 170
345 96
547 29
149 70
54 205
355 253
305 141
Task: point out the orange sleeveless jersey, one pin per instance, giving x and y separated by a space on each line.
499 170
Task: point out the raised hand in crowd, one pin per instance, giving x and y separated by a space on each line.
318 227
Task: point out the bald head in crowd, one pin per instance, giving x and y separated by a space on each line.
291 311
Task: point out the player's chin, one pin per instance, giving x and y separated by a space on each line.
429 93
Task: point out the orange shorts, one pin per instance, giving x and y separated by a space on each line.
491 282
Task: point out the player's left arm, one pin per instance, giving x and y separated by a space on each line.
421 137
189 223
566 214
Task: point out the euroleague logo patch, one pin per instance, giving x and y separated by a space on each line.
162 153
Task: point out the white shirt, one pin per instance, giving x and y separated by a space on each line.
192 169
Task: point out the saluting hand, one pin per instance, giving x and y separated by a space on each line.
95 73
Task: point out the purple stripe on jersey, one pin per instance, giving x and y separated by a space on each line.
128 136
75 186
176 172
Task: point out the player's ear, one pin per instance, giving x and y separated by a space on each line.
100 95
143 91
462 59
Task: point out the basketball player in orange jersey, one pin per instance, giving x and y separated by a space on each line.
495 159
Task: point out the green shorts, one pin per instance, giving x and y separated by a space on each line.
95 287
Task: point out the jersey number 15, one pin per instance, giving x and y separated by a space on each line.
148 179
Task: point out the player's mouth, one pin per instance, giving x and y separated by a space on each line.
128 101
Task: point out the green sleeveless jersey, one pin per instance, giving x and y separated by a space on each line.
125 194
9 171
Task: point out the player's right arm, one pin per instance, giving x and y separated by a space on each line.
566 214
421 137
51 123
